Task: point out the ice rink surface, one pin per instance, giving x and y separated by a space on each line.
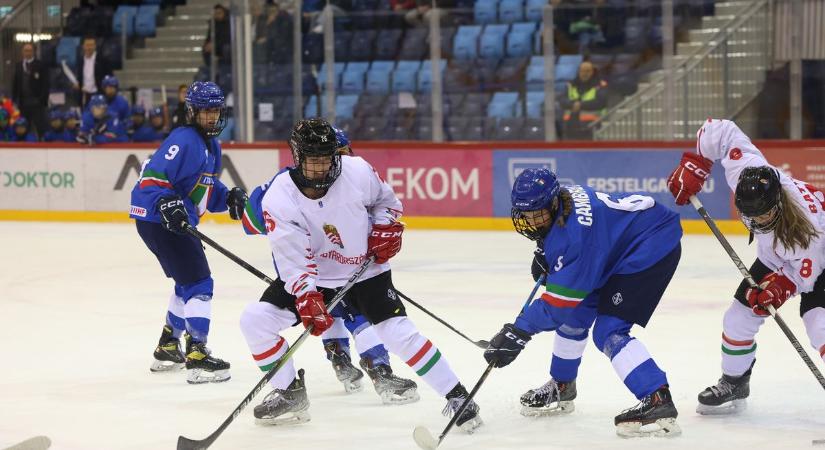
82 305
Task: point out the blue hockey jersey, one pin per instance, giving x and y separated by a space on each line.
115 128
604 235
253 215
183 165
146 133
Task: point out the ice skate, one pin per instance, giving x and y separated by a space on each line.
392 389
551 399
469 420
350 376
655 415
168 357
728 396
201 366
288 406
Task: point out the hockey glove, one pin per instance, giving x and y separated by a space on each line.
236 201
100 127
311 309
688 178
173 214
539 265
506 345
775 289
385 241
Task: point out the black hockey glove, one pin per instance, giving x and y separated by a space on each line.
173 214
236 201
539 265
506 345
100 127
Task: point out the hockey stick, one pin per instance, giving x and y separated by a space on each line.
745 273
480 344
422 435
35 443
194 232
191 444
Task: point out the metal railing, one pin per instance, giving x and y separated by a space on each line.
716 80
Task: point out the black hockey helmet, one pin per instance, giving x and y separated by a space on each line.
758 193
314 137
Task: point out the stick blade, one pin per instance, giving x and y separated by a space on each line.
482 344
424 438
189 444
35 443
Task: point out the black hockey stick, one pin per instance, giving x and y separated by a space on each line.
194 232
190 444
422 435
746 273
480 344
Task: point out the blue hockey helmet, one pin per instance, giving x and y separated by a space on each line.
157 111
205 95
56 114
532 201
138 110
21 122
110 80
342 142
98 100
71 114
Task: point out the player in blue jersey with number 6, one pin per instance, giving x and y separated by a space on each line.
608 259
177 185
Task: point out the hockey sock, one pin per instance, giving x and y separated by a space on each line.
367 342
814 321
629 357
174 316
568 348
261 324
739 327
402 338
198 311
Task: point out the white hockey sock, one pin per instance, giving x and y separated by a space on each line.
814 321
739 327
175 316
261 324
198 313
401 337
366 339
337 330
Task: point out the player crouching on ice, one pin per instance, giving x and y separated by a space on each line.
322 218
610 259
786 217
177 185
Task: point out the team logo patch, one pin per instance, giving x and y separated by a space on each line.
617 298
735 154
391 294
333 235
137 211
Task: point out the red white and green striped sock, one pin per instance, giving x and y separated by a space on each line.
739 328
261 324
402 338
267 354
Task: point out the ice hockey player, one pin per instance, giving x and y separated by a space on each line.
177 185
55 132
22 131
787 220
118 106
342 140
71 126
610 258
323 217
152 131
98 126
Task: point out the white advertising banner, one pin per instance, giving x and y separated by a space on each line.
73 179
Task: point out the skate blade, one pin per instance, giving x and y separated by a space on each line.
35 443
661 428
200 376
392 398
159 366
424 439
556 409
471 425
729 408
351 387
297 417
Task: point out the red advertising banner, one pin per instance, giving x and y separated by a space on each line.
803 162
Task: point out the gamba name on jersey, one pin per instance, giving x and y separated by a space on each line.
581 203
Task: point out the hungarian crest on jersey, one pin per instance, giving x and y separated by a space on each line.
333 235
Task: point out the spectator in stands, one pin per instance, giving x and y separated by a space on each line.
55 132
153 131
30 88
6 130
222 37
584 103
274 35
71 126
179 119
102 128
118 106
12 113
91 72
420 15
22 131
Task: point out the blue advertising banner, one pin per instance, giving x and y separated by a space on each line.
609 171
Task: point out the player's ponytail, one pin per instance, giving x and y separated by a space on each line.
793 230
566 201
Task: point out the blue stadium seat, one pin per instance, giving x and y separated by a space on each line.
485 11
352 80
535 74
345 105
534 104
146 20
567 67
533 10
465 45
322 75
519 43
510 11
506 129
533 129
382 66
504 104
403 78
67 50
378 81
425 75
491 44
129 12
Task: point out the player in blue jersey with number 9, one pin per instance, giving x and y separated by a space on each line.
177 185
608 260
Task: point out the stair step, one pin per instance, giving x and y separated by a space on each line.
187 29
169 63
182 40
155 82
150 71
717 21
168 52
730 8
189 18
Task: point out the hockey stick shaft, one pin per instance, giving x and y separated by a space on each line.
194 232
480 344
747 275
539 282
190 444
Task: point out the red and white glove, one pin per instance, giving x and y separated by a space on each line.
774 289
311 308
385 241
688 178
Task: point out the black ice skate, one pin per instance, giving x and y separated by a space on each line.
552 399
655 409
727 397
350 376
469 420
201 366
285 406
168 357
392 389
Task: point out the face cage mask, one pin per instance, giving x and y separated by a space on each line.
191 119
322 184
756 228
524 228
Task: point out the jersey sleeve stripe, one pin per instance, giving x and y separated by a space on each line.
558 302
146 182
250 221
565 293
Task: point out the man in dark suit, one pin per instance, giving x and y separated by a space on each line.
91 70
30 89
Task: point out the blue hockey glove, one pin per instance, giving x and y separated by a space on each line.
236 201
506 345
173 214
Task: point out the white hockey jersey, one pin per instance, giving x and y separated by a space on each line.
319 243
723 140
